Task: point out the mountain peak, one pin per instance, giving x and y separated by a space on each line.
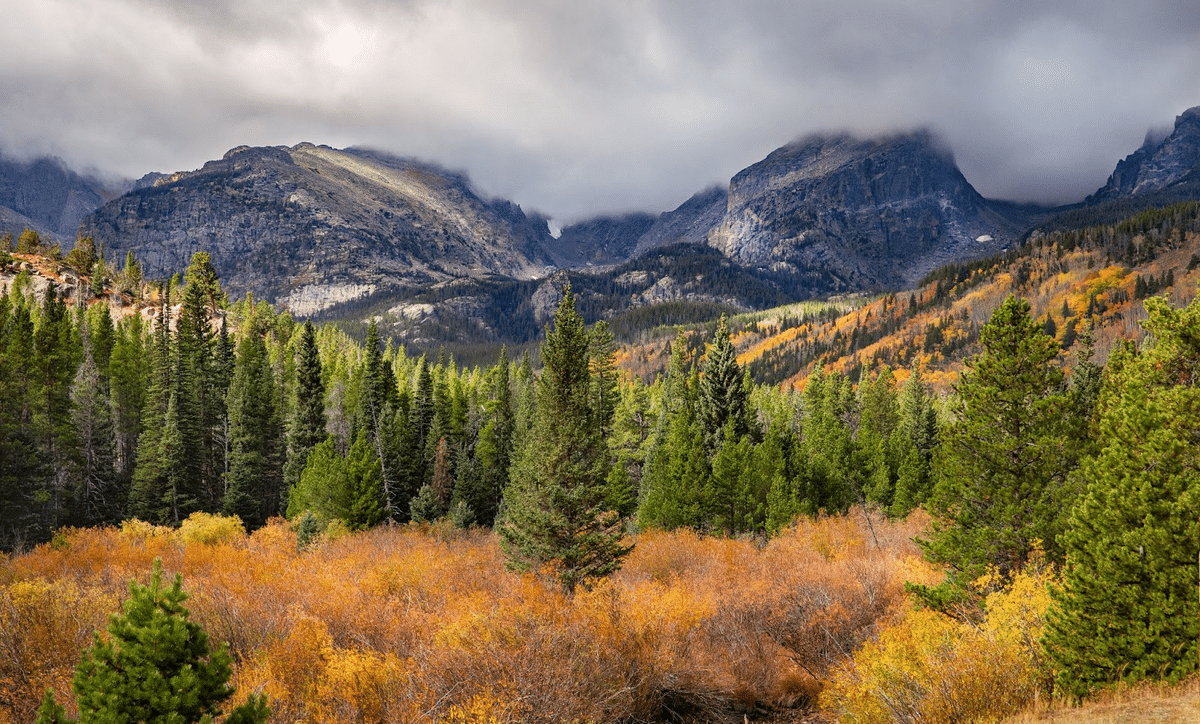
1160 162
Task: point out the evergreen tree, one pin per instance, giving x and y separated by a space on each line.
307 425
55 362
348 488
914 440
828 443
254 483
19 454
1005 458
555 503
723 394
129 369
493 451
1128 609
676 471
156 666
98 498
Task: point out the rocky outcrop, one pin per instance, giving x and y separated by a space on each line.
312 226
1160 162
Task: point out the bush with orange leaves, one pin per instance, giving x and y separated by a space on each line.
423 624
930 668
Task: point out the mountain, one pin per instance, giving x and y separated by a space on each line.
602 241
1159 164
874 213
46 196
311 226
1073 279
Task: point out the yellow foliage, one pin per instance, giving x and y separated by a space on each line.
141 531
928 667
209 529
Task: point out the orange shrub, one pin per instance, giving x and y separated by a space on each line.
422 623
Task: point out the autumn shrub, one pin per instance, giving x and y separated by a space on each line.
44 625
423 623
930 668
210 529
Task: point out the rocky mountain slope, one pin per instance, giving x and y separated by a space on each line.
1158 164
311 226
832 213
876 213
46 196
333 232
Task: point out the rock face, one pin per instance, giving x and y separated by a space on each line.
311 226
602 241
1158 164
691 223
48 197
876 213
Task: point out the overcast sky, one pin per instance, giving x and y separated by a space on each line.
576 108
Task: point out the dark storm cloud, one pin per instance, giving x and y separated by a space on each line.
578 108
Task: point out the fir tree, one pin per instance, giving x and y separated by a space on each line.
1005 458
723 394
1128 609
254 483
556 519
156 666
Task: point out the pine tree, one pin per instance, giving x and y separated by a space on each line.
1005 458
493 451
676 471
19 459
1128 609
556 519
914 440
129 369
156 666
723 395
98 498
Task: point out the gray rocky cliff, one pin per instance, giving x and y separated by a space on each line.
311 226
1158 164
45 195
872 214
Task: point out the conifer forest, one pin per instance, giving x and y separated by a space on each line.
366 533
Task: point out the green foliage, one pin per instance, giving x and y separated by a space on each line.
156 666
556 519
347 488
253 488
723 394
1004 459
1128 609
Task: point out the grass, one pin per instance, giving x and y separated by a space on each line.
1149 702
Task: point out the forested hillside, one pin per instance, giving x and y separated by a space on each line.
902 536
1097 275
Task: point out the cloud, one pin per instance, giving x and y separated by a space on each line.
582 108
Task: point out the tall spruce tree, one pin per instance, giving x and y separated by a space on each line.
254 484
200 386
1004 459
556 519
723 394
307 426
1128 609
57 354
19 454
